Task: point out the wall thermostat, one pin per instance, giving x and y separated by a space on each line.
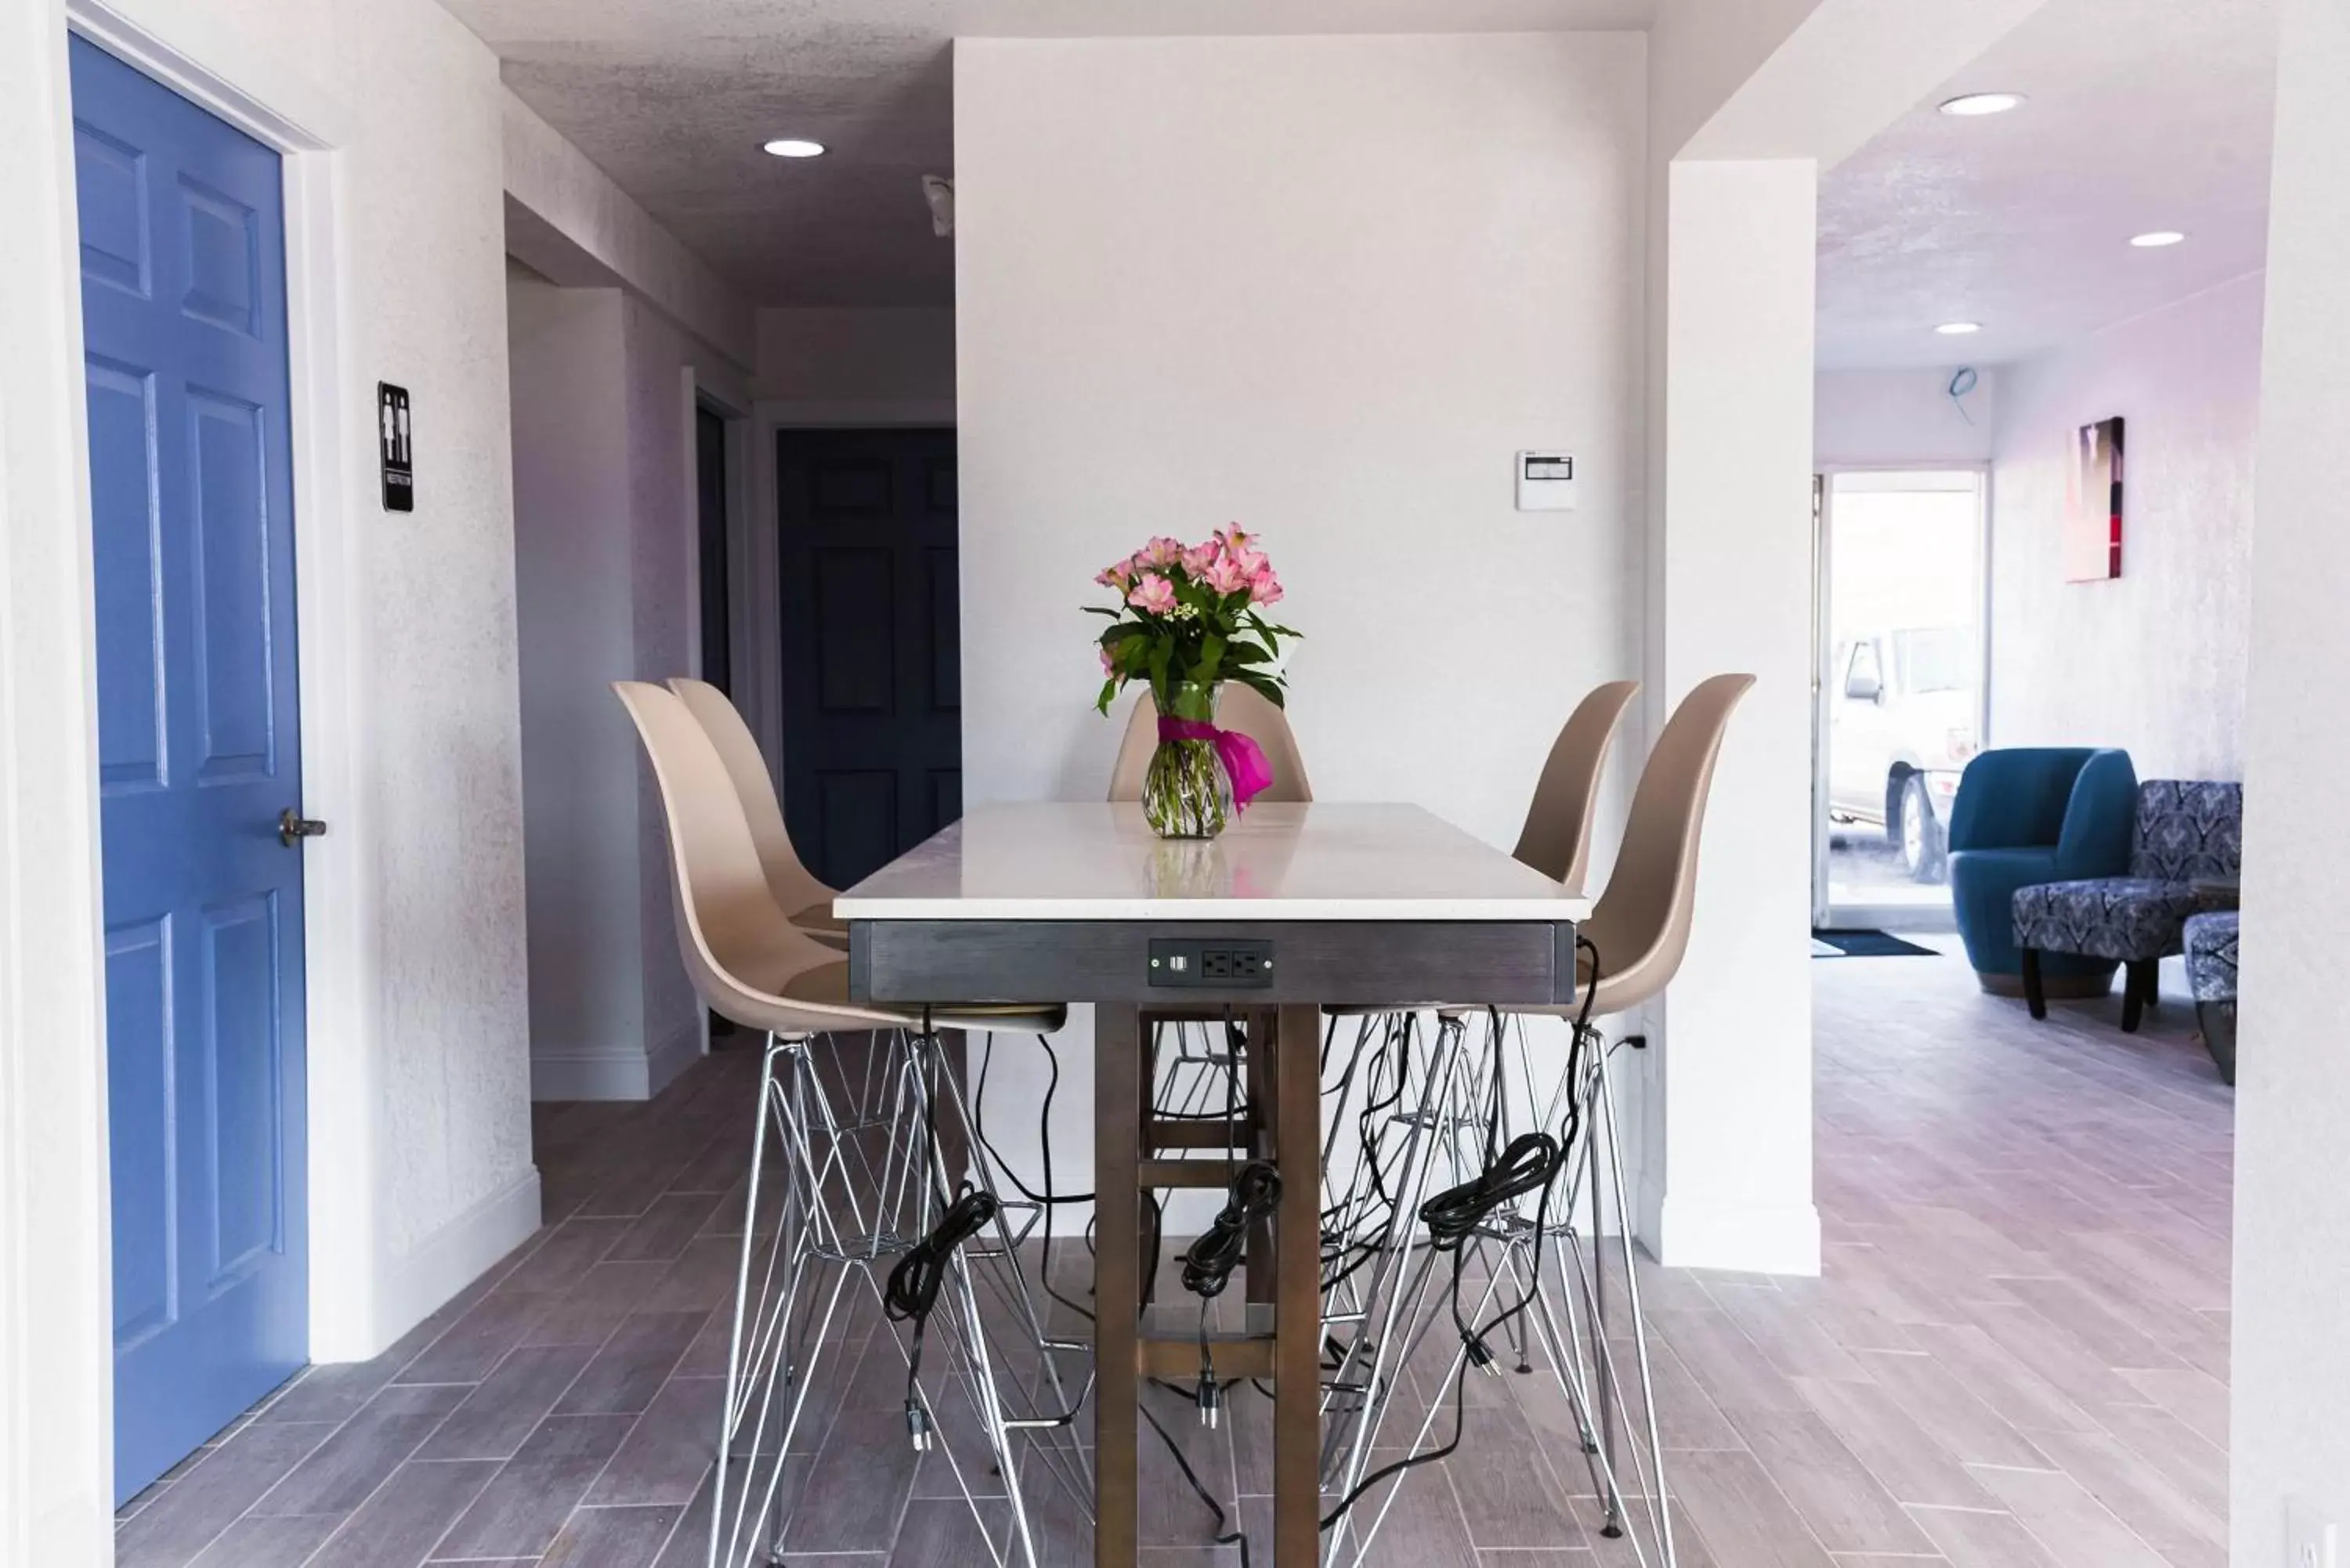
1545 482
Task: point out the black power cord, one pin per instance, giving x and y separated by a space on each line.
912 1291
1212 1256
1513 1170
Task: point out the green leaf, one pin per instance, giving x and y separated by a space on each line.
1103 610
1263 685
1125 632
1238 653
1108 691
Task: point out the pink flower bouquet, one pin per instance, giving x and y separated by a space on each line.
1189 617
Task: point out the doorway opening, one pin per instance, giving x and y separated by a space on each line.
1903 693
713 511
872 643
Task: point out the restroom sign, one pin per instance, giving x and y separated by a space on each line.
391 436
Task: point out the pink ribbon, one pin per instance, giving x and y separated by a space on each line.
1245 761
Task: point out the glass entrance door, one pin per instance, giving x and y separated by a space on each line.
1901 689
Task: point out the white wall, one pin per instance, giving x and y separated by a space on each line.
602 1025
2292 1361
841 355
1728 1180
419 1127
2155 660
605 542
1326 287
1891 419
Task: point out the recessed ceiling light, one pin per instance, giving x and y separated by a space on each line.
2157 239
1959 328
795 147
1977 103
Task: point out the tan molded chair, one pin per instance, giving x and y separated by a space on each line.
1238 708
796 890
1557 840
1642 924
747 959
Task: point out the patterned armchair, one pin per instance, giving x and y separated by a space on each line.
2211 980
2186 833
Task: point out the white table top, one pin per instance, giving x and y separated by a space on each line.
1086 861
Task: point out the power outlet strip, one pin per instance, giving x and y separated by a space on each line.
1213 963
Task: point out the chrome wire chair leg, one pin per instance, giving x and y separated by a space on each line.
1398 1290
783 1318
1602 1397
863 1174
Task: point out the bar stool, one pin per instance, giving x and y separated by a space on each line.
797 891
865 1162
1555 840
1639 932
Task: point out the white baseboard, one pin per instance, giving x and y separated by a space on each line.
611 1072
1751 1238
411 1288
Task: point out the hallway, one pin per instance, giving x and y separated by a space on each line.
2017 1359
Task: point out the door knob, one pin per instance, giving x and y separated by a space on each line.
291 827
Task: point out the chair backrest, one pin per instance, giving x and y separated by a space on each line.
728 923
2186 829
1556 838
2096 836
1238 707
2016 797
1642 924
794 886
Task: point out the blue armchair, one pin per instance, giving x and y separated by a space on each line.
2029 815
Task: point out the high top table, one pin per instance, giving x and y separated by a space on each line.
1293 908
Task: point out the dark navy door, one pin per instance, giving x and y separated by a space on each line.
184 302
872 644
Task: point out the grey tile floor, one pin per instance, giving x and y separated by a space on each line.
2017 1357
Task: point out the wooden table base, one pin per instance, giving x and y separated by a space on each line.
1284 1069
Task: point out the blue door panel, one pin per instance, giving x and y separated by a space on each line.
184 302
130 592
228 454
139 1123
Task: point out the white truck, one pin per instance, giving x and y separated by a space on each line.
1903 706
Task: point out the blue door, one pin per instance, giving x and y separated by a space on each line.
184 302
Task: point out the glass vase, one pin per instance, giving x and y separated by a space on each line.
1186 792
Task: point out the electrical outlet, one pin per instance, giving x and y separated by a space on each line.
2310 1537
1229 963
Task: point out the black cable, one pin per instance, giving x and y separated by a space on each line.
1047 1199
912 1290
1212 1256
1453 1215
1233 1536
1460 1414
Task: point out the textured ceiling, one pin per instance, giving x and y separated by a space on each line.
673 98
2143 114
